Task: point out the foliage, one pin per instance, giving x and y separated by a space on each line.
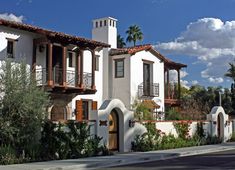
7 155
231 72
120 42
71 140
232 139
134 34
148 140
142 112
154 139
171 114
198 101
182 129
22 108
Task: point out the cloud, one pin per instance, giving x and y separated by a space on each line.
211 41
194 82
174 75
12 17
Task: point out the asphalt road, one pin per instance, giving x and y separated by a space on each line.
214 161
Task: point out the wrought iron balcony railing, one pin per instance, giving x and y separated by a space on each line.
57 76
148 90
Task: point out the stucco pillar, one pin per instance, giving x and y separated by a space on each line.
77 71
64 65
93 70
49 55
81 69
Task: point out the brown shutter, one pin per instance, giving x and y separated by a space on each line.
94 105
79 110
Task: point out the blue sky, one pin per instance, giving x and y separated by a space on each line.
199 33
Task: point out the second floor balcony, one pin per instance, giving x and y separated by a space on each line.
148 90
73 79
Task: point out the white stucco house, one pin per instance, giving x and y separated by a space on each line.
92 80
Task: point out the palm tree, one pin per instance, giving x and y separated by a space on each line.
231 72
120 41
134 34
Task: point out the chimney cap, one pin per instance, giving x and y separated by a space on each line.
104 18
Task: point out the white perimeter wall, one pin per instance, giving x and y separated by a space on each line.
168 127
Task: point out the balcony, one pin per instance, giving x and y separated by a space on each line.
72 80
148 90
172 97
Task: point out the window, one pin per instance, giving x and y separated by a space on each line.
85 110
83 107
105 22
10 49
100 23
71 60
119 68
97 63
96 24
110 22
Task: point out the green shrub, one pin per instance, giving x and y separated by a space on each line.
182 129
232 139
7 155
70 140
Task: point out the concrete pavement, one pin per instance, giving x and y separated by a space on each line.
119 159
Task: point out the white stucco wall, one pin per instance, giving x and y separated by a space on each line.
225 123
126 89
23 49
98 83
137 75
126 133
168 127
120 88
105 33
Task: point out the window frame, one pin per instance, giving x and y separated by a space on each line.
12 54
123 69
71 59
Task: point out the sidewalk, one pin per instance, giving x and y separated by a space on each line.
119 159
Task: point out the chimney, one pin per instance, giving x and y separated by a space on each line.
105 30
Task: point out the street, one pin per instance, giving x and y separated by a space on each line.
218 160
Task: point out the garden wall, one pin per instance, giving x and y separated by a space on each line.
167 127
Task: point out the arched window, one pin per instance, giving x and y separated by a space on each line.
58 113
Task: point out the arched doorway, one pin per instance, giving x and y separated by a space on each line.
113 131
58 113
220 126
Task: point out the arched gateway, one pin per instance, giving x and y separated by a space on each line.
220 123
113 125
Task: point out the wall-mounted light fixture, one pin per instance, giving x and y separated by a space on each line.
131 123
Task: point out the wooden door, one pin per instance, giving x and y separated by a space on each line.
113 131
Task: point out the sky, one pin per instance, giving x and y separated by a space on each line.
199 33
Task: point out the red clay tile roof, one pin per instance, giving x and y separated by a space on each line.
130 50
147 47
53 34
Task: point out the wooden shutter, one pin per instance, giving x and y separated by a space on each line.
79 110
94 105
